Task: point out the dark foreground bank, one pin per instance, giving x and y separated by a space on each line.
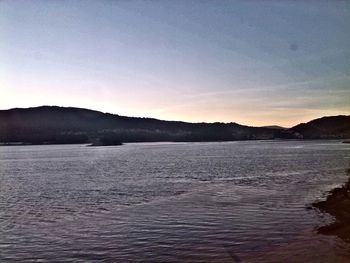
337 204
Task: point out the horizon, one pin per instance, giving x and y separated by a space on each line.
90 109
254 63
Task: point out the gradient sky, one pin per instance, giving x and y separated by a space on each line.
251 62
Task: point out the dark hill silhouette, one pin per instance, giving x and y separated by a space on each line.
52 124
333 127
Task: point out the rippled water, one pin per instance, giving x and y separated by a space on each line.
170 202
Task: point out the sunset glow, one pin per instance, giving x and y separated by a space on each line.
251 62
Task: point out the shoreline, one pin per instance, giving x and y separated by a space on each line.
92 144
337 204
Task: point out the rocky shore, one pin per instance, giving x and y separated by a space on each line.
337 204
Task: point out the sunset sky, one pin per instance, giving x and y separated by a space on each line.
251 62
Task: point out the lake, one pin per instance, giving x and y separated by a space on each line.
246 201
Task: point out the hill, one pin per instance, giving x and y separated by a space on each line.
59 125
52 124
333 127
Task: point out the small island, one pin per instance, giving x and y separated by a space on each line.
106 141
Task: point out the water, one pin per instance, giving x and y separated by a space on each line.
170 202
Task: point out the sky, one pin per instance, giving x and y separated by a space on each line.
251 62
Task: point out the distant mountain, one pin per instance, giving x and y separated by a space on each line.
52 124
